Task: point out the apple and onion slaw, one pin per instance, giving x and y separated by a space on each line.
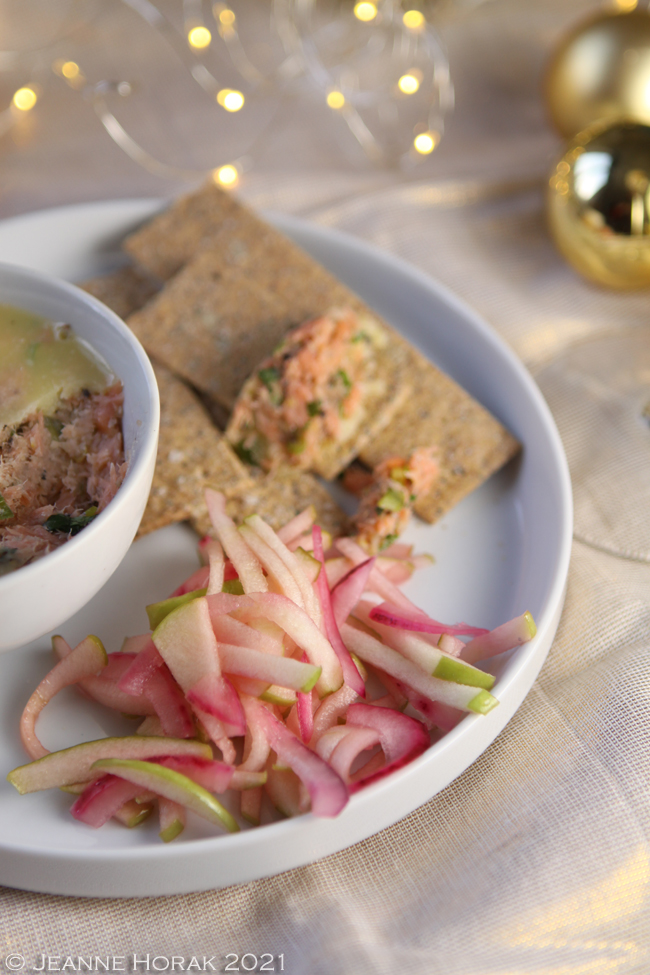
287 673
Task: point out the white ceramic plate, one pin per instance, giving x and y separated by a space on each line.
503 550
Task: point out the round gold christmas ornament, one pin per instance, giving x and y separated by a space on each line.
599 204
601 70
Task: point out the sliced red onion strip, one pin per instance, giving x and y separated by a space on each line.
391 615
299 525
102 799
214 694
198 580
351 675
85 660
347 593
248 568
377 582
327 790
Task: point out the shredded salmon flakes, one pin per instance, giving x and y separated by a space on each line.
301 394
63 464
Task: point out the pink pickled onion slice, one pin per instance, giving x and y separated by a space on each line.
399 734
327 791
435 713
348 749
377 582
102 799
347 593
85 660
393 616
215 695
331 709
169 704
305 712
212 775
351 675
519 630
104 688
134 680
245 562
198 580
298 525
402 738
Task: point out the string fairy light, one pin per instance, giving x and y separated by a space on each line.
230 99
426 142
414 20
226 176
335 99
199 38
365 11
409 83
25 98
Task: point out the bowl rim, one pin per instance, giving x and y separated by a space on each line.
138 463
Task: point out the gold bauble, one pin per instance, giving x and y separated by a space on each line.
599 204
601 70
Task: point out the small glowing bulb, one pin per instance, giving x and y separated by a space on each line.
413 20
25 99
226 175
426 142
626 5
227 17
199 37
231 100
70 70
365 11
336 99
408 84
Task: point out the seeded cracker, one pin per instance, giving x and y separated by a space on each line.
471 443
124 291
282 287
173 238
278 497
192 455
213 324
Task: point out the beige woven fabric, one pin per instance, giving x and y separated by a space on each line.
537 859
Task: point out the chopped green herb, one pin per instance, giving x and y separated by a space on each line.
399 474
361 337
296 446
345 379
69 524
391 500
5 510
315 407
388 541
271 379
250 455
8 560
54 426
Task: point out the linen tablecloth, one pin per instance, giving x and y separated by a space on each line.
537 858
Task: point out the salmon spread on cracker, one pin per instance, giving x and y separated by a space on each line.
307 394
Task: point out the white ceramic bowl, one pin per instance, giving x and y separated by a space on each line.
41 596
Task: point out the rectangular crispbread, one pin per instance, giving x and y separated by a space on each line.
280 496
238 285
471 443
124 290
192 455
